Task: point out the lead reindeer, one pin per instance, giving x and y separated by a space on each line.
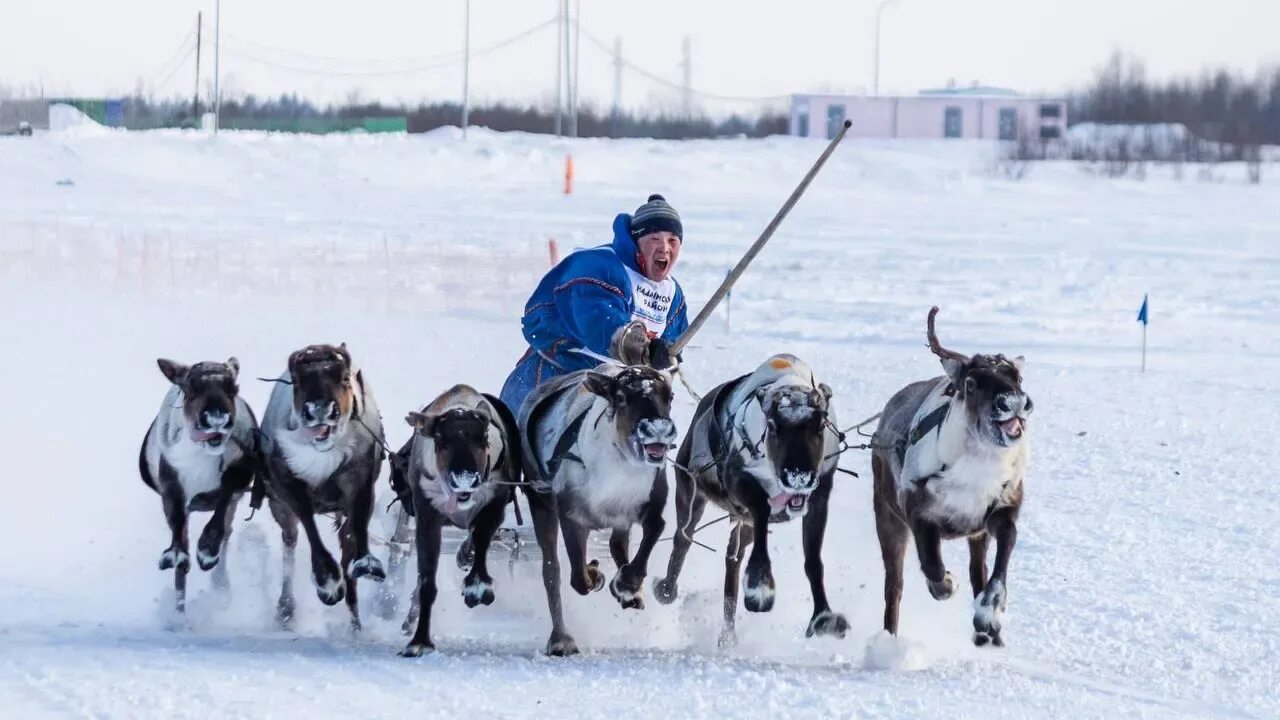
321 443
595 445
951 454
199 455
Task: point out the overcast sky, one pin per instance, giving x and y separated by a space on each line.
739 47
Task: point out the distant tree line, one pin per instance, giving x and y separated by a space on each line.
1218 106
144 113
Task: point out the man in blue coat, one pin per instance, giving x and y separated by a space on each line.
616 301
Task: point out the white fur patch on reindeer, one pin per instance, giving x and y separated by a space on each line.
314 466
988 607
761 595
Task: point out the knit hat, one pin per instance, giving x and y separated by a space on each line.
656 215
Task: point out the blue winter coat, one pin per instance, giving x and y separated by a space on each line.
580 304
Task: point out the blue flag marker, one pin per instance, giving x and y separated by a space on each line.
1142 318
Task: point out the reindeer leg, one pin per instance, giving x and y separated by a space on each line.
929 548
209 547
814 526
361 512
347 544
893 534
628 584
978 562
989 607
546 525
740 537
428 547
760 591
331 587
690 504
477 588
220 579
286 606
175 512
620 546
584 577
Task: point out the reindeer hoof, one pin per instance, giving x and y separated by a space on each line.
172 558
988 614
368 565
629 599
827 623
728 638
416 649
759 597
206 561
982 639
285 609
331 590
594 581
942 590
478 592
561 646
665 591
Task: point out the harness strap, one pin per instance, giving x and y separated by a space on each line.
564 446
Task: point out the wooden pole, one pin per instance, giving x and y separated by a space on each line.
755 248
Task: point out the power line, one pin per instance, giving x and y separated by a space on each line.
674 85
184 49
454 58
190 49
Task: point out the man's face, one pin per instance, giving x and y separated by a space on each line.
658 254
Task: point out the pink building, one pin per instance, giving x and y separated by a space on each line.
975 113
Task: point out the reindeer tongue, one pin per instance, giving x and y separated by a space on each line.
201 436
1012 426
779 501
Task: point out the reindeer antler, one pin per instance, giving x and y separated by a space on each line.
936 347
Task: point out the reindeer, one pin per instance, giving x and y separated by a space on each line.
949 461
460 467
595 446
199 455
764 448
323 452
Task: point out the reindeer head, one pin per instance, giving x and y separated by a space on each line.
459 440
323 391
795 430
990 386
209 392
639 400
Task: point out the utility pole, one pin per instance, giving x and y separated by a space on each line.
577 57
559 63
688 77
466 72
217 65
195 99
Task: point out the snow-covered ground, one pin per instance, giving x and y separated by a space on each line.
1145 582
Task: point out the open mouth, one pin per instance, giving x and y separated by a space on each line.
655 452
1012 427
660 265
463 498
320 433
793 502
211 438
